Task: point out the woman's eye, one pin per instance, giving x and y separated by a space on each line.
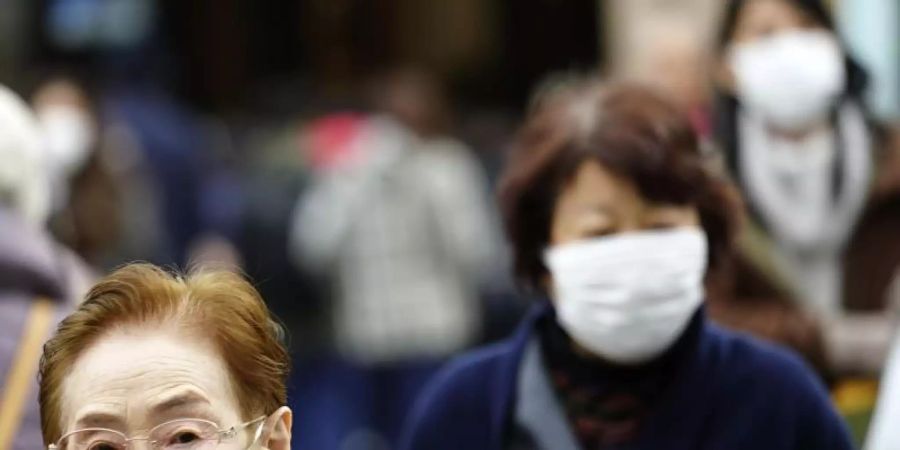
183 438
186 438
102 446
598 233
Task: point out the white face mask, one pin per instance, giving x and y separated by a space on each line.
791 79
69 135
628 298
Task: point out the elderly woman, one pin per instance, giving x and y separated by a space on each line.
613 216
176 363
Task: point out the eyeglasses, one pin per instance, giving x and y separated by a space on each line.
181 434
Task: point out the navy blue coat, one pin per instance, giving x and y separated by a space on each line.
735 393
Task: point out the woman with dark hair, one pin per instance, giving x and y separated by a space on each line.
613 215
796 137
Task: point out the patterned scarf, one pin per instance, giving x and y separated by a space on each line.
606 404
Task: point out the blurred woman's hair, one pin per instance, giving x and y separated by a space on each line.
217 305
630 129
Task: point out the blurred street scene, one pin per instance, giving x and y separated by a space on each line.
344 155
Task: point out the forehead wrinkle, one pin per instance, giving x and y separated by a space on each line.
103 409
110 400
176 394
140 382
105 382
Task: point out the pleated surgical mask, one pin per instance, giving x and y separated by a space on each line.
792 79
627 298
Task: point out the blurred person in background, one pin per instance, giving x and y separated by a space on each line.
675 59
613 216
85 194
819 177
397 222
162 153
40 280
739 296
139 177
274 173
116 158
70 132
179 361
155 150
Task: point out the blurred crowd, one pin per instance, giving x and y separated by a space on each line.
369 227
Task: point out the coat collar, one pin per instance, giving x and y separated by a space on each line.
505 384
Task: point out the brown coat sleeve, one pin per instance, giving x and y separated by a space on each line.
872 258
742 298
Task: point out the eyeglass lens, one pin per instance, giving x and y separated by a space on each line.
178 435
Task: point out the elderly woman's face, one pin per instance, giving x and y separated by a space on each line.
598 202
133 380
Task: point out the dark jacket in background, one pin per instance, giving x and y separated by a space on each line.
732 392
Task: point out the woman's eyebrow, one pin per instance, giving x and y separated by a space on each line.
591 206
98 419
179 399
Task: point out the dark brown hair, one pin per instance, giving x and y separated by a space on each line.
631 130
220 304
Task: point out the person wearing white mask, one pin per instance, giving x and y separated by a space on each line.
86 164
613 214
797 139
69 131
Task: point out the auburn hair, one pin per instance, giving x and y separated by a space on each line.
631 130
220 305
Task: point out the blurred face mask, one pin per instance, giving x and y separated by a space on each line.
68 134
628 298
791 79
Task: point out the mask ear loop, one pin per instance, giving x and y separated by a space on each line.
258 434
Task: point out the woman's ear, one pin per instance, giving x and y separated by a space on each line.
277 430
